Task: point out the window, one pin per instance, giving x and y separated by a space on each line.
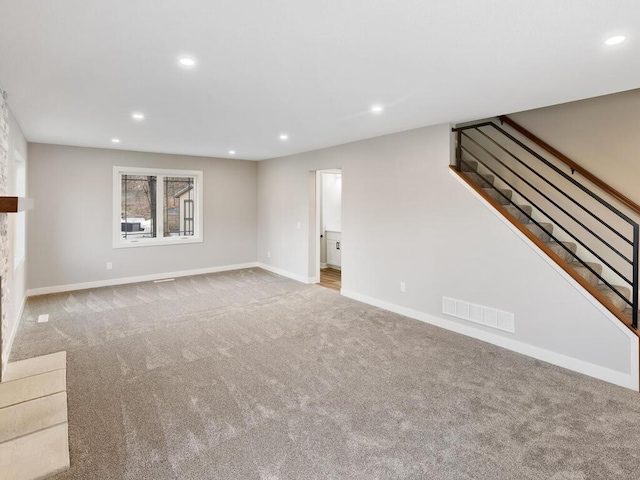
156 207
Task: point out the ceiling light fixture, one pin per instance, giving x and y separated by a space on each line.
284 136
138 116
377 109
115 140
187 62
616 40
232 152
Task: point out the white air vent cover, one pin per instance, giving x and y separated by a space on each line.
471 312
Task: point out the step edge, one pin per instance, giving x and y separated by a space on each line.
58 361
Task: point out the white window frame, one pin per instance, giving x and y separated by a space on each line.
160 173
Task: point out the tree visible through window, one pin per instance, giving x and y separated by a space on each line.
139 212
156 206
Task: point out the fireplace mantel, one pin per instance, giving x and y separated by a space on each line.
15 204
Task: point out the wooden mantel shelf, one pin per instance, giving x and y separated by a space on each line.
15 204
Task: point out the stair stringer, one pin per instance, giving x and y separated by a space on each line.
630 380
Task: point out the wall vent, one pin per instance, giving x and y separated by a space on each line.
471 312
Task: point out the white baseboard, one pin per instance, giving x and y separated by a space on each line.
12 334
142 278
630 380
286 273
323 265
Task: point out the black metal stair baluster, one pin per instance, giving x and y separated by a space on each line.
634 313
459 151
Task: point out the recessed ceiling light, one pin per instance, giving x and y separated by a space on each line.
617 40
377 109
138 116
284 136
232 152
115 140
187 62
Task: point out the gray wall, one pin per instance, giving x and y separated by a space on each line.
405 218
70 230
600 134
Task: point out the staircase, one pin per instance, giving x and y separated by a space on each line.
540 196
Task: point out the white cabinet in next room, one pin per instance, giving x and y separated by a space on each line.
334 256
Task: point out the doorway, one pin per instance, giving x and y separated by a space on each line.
329 227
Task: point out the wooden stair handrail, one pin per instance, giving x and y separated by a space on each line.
572 165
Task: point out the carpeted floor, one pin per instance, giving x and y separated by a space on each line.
248 375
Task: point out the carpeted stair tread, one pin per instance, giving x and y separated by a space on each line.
539 232
468 166
587 274
556 248
483 181
495 195
521 214
611 295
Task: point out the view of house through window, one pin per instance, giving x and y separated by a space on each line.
157 205
178 206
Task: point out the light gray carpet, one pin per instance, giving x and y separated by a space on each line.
248 375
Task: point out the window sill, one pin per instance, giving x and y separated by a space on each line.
156 242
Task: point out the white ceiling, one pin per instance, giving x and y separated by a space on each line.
75 70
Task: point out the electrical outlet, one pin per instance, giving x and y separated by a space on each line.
268 254
403 287
109 265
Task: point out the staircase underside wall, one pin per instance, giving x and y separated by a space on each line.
587 338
